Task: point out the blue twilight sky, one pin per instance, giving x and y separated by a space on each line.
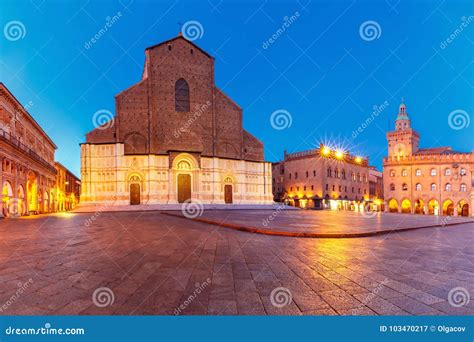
323 69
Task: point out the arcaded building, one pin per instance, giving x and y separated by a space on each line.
322 178
27 172
176 137
430 181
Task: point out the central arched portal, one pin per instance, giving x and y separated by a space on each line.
134 194
228 193
228 190
184 187
135 190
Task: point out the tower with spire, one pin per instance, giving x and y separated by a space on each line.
403 141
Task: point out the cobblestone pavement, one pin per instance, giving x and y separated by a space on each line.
328 221
150 263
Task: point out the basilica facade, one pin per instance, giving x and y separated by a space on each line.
176 137
430 181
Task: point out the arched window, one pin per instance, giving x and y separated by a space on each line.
181 96
447 172
392 187
404 173
343 174
447 187
433 172
336 173
329 172
433 187
463 188
404 187
418 172
418 187
392 173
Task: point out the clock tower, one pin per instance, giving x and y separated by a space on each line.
403 141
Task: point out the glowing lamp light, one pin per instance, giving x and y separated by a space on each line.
358 160
339 154
326 151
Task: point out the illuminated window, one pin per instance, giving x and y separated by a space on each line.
404 187
463 188
433 187
447 172
433 172
181 95
447 187
418 187
463 172
404 173
418 172
392 173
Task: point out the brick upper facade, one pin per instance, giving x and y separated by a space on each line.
147 121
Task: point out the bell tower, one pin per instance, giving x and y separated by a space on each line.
403 141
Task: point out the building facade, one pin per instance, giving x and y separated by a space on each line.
27 172
322 178
175 137
376 189
67 190
430 181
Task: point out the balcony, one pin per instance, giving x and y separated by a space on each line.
9 139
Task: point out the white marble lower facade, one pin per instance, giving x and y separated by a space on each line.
110 177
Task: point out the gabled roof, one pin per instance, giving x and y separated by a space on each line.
180 36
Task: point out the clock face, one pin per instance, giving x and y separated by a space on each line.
400 149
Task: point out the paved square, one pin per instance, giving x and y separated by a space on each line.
328 221
150 263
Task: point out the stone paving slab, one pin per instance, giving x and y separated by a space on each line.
322 224
155 264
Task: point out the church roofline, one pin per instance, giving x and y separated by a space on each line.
179 37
